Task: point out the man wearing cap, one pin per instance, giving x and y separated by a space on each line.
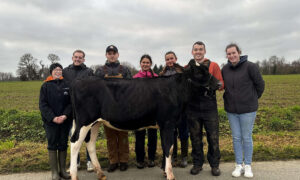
117 141
78 70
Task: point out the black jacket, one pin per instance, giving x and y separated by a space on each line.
113 69
55 101
72 72
243 86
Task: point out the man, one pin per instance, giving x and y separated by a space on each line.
117 141
78 70
202 111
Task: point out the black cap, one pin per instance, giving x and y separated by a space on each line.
53 66
112 48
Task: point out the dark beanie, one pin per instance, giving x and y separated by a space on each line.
53 66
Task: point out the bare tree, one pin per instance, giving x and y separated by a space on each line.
44 71
27 68
53 58
4 76
131 68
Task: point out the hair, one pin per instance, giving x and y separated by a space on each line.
234 45
79 51
170 52
146 56
53 66
199 43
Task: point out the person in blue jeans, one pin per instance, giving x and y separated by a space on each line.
244 85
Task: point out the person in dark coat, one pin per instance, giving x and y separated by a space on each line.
117 141
56 111
78 70
244 85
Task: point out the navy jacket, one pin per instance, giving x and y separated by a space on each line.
243 86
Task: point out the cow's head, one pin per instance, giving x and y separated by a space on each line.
199 76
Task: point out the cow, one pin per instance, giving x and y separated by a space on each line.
133 104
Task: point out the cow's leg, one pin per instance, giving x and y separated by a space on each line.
168 138
169 169
91 146
75 147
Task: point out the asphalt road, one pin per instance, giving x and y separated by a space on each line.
273 170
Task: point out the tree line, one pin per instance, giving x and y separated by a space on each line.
30 68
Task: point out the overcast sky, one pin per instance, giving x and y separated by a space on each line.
261 27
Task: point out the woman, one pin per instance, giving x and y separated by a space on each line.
145 72
244 85
172 68
56 111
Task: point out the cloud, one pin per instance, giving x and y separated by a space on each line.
261 28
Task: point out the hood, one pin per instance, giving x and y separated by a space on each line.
242 60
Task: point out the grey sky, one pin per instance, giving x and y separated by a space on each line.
261 27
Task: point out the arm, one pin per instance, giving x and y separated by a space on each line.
257 79
216 72
45 109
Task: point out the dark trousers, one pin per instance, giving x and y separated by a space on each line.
57 136
196 121
140 144
182 131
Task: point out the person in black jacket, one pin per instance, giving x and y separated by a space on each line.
244 85
56 114
78 70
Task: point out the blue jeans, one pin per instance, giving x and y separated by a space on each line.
241 128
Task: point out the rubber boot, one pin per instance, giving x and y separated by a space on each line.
184 153
62 156
53 164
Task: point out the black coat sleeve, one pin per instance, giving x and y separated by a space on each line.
257 79
46 111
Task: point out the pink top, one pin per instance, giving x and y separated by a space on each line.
144 74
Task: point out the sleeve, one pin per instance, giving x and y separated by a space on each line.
45 109
217 74
91 72
68 111
257 79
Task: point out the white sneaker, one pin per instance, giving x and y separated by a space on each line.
89 166
238 170
248 171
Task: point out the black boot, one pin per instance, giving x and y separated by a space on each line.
62 156
184 153
53 164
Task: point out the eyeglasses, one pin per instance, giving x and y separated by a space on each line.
57 70
79 57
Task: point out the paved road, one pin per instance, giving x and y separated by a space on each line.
273 170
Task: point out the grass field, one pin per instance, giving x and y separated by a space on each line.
281 91
274 138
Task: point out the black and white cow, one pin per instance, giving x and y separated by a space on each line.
131 104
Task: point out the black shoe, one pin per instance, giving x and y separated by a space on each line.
112 167
215 171
140 165
123 166
195 170
151 164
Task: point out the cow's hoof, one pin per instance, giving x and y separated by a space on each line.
103 177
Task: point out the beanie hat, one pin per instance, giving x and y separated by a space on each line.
53 66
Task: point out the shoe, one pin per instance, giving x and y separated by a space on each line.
238 170
195 170
62 156
215 171
248 171
183 162
151 164
112 167
123 166
140 165
89 166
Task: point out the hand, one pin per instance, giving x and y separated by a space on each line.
57 120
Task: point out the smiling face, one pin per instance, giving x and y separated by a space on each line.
233 55
198 52
145 64
170 60
78 58
56 73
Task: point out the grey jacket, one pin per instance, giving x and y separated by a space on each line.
243 86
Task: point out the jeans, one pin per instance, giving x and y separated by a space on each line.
241 128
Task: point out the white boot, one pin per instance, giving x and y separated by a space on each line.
248 171
238 170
